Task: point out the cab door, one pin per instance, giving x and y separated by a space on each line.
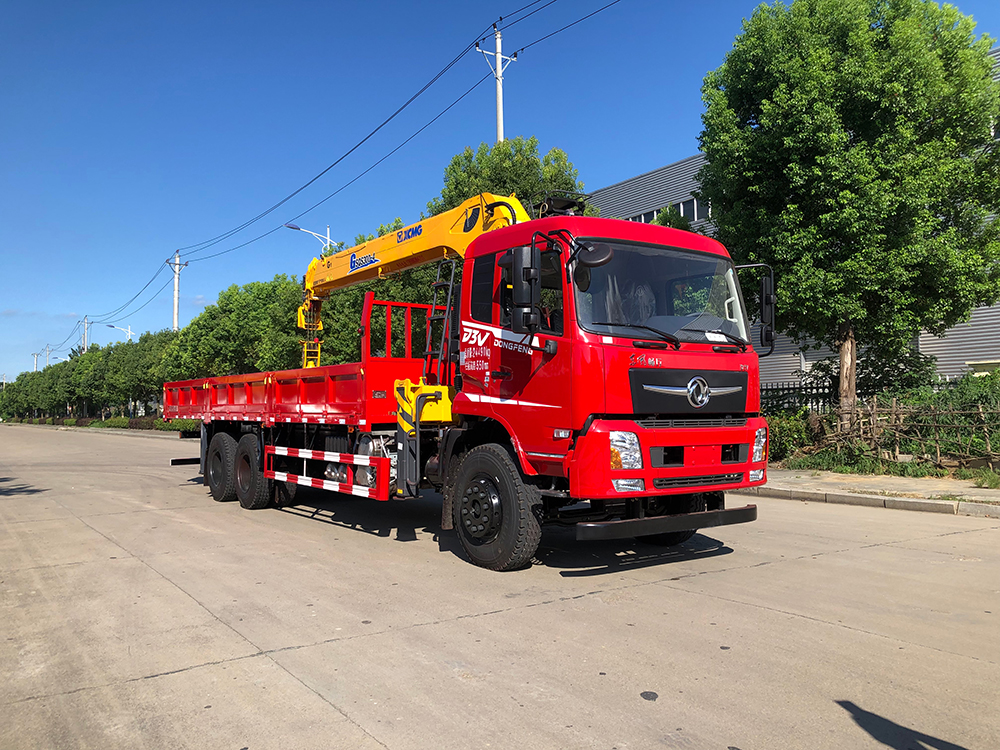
532 386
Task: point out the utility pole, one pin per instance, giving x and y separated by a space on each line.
498 65
47 348
177 266
35 355
85 324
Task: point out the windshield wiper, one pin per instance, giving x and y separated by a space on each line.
735 339
662 334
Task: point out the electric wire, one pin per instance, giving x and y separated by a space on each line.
198 247
506 23
98 318
104 318
350 182
410 138
133 312
569 25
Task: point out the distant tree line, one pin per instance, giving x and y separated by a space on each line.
252 328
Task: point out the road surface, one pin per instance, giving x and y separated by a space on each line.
139 613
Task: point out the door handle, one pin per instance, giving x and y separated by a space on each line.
501 374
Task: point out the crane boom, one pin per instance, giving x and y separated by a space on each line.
446 235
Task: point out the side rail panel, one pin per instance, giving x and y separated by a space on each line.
381 465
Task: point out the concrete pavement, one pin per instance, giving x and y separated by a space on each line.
139 613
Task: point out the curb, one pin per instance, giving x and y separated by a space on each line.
925 505
154 434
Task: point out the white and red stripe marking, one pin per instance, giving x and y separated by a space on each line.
322 484
339 458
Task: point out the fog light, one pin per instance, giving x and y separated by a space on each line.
629 485
756 475
625 451
759 444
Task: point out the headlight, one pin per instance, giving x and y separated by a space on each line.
756 475
629 485
759 444
625 452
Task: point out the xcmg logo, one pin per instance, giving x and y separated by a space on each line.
362 261
409 234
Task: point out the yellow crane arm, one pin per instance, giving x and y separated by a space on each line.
446 235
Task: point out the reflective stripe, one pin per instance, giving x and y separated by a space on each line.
321 484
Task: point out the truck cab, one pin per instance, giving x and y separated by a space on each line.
620 375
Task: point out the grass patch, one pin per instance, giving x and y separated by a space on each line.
860 463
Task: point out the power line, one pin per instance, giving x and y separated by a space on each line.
415 134
569 25
133 312
98 318
350 182
198 247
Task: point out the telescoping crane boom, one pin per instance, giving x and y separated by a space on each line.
446 235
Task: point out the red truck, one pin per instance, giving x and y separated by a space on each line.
588 372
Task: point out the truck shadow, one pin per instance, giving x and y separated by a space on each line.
405 520
560 549
894 735
9 487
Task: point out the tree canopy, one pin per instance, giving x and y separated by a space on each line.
849 145
510 166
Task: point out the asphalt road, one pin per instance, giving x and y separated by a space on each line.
135 612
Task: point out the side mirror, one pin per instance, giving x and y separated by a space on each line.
592 256
526 289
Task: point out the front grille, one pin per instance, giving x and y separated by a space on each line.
665 424
665 483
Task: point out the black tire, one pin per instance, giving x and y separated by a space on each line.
284 494
219 466
683 504
497 516
252 489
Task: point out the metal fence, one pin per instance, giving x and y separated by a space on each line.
792 396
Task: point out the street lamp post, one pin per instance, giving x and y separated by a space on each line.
127 331
327 242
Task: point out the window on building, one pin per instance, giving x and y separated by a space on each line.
687 209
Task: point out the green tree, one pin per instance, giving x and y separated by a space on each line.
849 145
510 166
671 217
250 329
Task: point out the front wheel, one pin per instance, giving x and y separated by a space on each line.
497 515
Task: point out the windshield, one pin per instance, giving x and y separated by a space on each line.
692 296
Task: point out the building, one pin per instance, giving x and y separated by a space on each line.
966 347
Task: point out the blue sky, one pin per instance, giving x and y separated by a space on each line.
128 130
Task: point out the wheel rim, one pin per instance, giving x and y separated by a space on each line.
481 511
215 468
244 474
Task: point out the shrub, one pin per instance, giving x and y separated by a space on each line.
142 423
69 422
178 425
788 432
48 420
118 422
84 421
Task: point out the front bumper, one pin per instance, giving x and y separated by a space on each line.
702 469
632 527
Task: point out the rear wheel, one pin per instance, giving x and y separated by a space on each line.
252 489
219 467
669 506
496 514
